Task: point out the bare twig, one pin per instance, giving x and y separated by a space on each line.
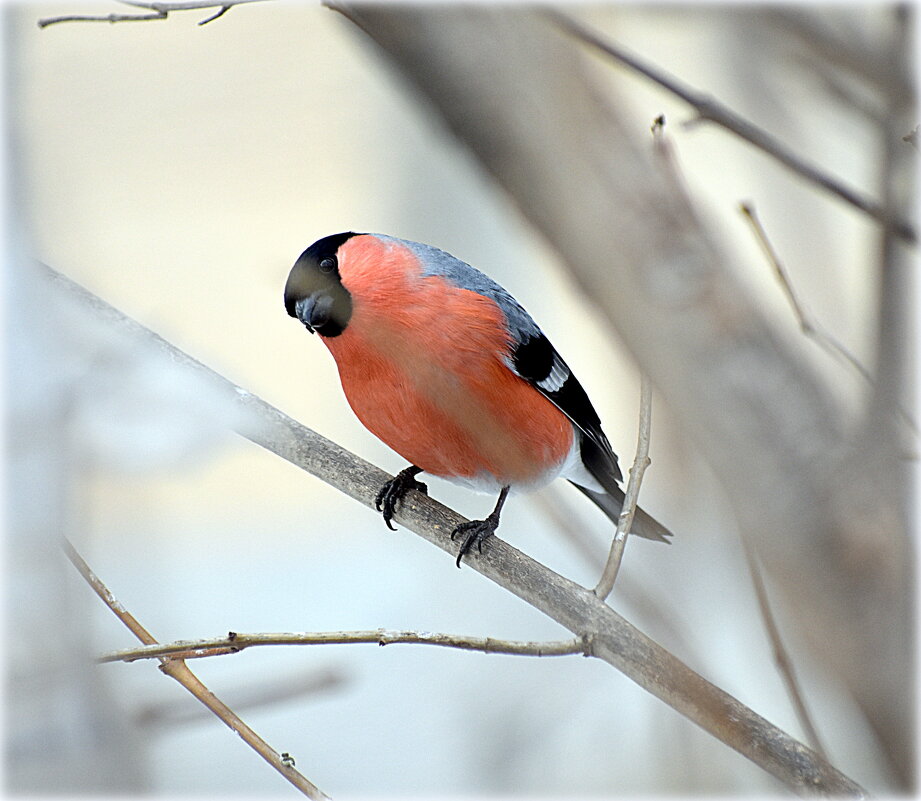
178 670
234 643
160 10
613 639
107 597
781 658
219 13
710 110
46 21
555 504
631 495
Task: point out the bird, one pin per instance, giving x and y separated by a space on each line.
444 366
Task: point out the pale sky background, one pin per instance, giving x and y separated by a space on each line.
178 171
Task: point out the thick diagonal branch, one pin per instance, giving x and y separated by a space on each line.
576 608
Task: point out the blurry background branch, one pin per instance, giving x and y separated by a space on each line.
841 45
611 637
710 110
807 325
810 327
781 657
515 89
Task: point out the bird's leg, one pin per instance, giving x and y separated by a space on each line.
475 531
395 490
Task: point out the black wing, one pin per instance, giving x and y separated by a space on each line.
537 362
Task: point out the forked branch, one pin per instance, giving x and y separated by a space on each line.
177 669
156 9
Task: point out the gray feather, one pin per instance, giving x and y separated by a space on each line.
437 262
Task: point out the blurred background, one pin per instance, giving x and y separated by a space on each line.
177 171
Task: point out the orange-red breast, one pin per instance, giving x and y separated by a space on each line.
447 368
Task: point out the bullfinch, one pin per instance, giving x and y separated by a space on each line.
447 368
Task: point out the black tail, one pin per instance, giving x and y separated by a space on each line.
644 525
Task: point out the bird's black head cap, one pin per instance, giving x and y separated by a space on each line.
314 293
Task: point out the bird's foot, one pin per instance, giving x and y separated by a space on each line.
395 490
474 532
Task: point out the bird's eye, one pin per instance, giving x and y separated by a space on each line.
327 264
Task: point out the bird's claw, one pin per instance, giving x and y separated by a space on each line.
474 531
395 490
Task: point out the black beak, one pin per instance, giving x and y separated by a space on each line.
314 311
307 325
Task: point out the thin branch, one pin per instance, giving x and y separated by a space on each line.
781 657
632 493
809 327
710 110
178 670
46 21
613 639
220 13
555 504
104 593
234 643
160 10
